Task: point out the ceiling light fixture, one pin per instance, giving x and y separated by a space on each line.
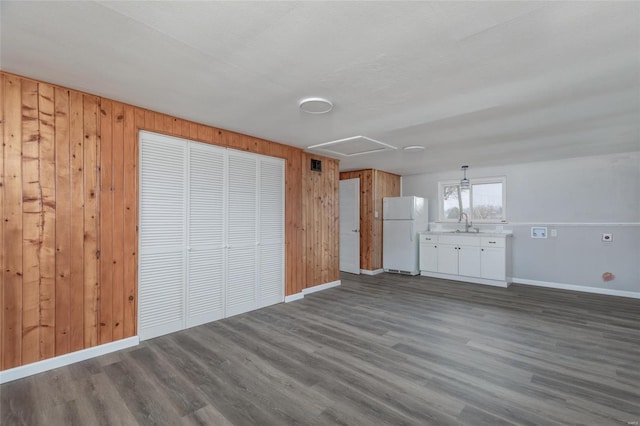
413 148
315 105
464 182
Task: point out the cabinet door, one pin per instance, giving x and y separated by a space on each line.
205 236
493 265
469 261
242 238
447 259
429 257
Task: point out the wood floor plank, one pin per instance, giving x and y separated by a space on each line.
383 349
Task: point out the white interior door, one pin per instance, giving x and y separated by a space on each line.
205 236
350 225
161 278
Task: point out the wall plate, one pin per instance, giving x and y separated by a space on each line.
538 232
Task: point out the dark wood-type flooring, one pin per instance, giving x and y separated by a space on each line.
378 350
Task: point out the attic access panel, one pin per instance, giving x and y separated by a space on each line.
355 145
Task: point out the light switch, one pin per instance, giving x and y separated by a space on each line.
554 233
375 214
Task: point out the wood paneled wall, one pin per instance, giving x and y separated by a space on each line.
374 185
320 210
384 185
69 203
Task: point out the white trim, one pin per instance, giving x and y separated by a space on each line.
474 280
66 359
589 224
293 297
370 272
542 223
573 287
309 290
321 287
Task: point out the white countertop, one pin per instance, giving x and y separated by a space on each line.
471 234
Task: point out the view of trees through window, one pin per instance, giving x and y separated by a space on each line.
482 202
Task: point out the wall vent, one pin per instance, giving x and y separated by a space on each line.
316 165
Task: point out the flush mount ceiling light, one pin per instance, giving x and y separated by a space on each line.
464 182
413 148
315 105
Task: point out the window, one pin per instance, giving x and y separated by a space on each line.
484 201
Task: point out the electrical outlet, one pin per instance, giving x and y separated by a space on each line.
607 237
554 233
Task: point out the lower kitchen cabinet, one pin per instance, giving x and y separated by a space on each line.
493 263
480 258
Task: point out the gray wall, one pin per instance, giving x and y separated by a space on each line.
581 198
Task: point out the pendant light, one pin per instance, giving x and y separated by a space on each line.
464 182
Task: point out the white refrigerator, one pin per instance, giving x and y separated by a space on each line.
403 219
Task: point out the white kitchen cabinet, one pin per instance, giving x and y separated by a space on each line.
493 263
468 261
211 233
428 253
447 259
479 258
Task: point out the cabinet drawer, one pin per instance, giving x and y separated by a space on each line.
492 242
428 238
460 240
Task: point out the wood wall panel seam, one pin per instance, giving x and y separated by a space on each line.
63 222
106 221
31 223
118 221
130 248
46 253
76 143
91 222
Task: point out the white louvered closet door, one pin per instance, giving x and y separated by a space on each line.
271 232
161 281
205 236
242 238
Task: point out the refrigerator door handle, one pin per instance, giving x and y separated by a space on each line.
412 230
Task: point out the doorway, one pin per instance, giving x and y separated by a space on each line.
350 225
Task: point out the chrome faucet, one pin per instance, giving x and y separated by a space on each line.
467 224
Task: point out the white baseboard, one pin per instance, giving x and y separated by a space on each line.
573 287
66 359
310 290
495 283
293 297
321 287
369 272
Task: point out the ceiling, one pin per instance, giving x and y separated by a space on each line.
478 83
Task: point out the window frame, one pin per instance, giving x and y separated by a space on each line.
475 181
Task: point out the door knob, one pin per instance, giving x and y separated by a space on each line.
355 230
